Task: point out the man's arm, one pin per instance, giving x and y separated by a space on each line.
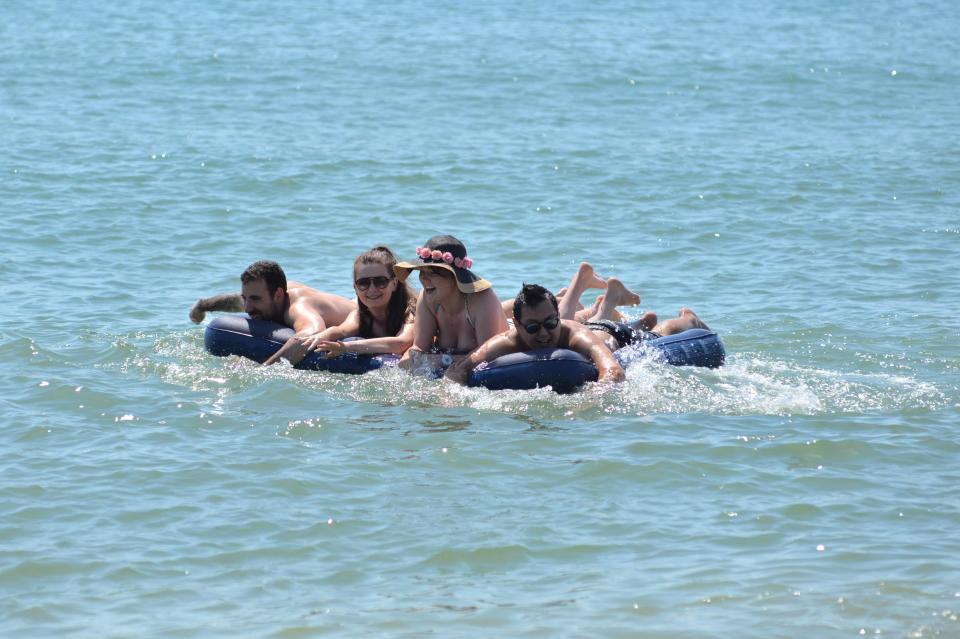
306 321
349 328
583 341
305 318
495 347
231 302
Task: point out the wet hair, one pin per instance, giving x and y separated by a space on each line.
531 295
268 271
403 302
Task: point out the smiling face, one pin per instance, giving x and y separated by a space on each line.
370 277
535 316
438 284
259 304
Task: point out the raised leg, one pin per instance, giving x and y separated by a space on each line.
584 278
617 295
584 314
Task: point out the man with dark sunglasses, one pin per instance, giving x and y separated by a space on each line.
538 325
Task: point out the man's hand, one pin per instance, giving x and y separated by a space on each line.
231 302
198 311
293 351
459 372
612 375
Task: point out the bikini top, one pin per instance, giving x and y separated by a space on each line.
471 322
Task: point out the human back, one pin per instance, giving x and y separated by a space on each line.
332 308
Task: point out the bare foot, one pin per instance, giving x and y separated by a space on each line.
588 278
617 295
684 322
584 314
693 318
620 295
647 321
583 279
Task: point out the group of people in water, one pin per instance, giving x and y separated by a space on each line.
456 319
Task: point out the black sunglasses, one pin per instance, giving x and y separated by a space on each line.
550 323
380 281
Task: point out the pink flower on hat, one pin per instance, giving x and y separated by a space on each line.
437 255
448 257
467 262
458 262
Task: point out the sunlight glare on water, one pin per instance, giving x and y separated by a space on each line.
789 172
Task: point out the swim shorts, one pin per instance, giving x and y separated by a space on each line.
623 333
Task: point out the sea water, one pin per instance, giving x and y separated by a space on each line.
788 170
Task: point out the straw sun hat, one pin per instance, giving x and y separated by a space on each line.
448 253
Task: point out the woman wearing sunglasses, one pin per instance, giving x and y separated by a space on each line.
456 311
383 319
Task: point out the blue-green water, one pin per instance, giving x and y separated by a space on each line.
790 172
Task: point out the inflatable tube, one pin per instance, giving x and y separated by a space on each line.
696 347
565 371
258 340
561 369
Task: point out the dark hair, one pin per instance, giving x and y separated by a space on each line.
447 243
531 295
403 302
269 272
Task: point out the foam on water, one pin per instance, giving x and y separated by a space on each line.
748 384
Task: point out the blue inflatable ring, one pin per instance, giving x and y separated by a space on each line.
561 369
695 347
258 340
564 370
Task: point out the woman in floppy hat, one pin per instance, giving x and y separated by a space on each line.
457 310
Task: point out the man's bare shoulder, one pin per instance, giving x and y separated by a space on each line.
298 292
510 338
501 344
301 289
569 331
